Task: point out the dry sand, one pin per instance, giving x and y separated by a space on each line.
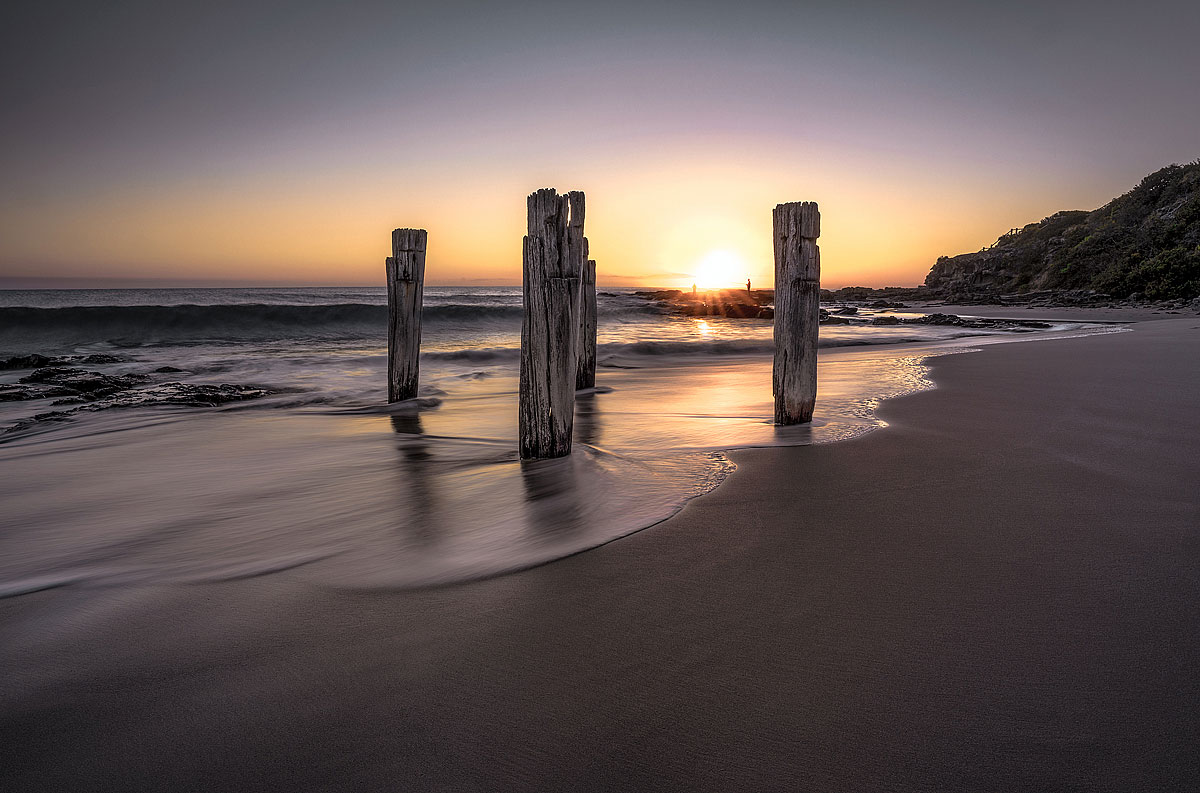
999 591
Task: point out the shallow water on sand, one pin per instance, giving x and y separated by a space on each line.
323 480
362 498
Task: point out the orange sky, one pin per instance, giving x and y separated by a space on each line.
650 223
233 147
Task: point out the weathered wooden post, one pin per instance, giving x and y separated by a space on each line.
405 281
553 265
797 310
585 372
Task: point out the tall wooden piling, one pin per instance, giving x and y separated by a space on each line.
797 310
405 281
585 371
553 266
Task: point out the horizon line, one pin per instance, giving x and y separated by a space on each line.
51 284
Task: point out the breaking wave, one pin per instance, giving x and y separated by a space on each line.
146 324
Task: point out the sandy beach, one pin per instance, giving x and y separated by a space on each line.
997 591
537 397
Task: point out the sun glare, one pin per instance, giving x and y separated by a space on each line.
720 270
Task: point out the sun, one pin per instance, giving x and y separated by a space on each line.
720 270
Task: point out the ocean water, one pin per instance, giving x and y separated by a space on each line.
314 474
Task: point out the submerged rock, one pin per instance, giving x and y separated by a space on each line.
26 362
938 319
16 393
954 320
40 418
50 374
71 400
660 294
83 390
36 361
162 395
198 395
81 381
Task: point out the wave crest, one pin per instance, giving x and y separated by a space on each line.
142 324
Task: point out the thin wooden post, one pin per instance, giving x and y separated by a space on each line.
553 264
585 372
405 280
797 310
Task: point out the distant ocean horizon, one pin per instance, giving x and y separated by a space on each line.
48 284
44 284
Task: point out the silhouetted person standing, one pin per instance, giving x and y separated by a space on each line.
747 286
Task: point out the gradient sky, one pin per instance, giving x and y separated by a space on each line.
281 142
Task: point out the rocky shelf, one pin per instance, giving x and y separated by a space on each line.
74 389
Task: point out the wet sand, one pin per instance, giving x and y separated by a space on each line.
996 592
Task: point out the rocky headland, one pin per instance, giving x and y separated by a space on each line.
1142 248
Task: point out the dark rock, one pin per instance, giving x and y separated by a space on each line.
50 374
730 310
58 390
198 395
936 319
89 386
885 321
887 295
847 311
83 381
36 361
730 303
16 393
110 396
954 320
26 362
167 369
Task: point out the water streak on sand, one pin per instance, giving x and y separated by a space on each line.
321 480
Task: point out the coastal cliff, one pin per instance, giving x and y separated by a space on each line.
1144 244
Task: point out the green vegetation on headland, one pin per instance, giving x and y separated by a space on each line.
1142 245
